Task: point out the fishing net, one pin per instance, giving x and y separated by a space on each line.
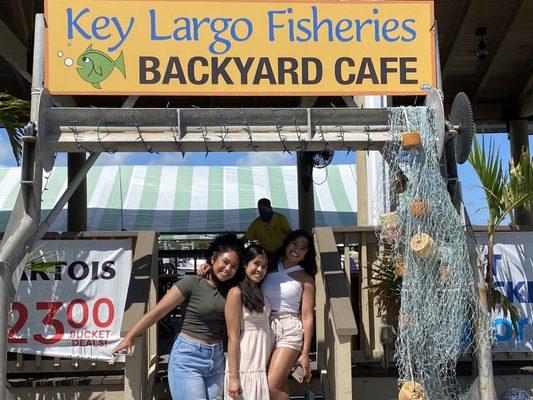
424 233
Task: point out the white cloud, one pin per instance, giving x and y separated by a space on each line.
267 158
170 159
116 159
141 158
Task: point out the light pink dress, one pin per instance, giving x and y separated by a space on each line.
256 348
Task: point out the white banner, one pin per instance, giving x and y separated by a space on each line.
513 276
73 308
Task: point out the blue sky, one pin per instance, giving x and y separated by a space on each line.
473 195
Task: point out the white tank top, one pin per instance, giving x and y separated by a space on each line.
283 291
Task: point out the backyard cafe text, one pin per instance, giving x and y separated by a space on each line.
239 47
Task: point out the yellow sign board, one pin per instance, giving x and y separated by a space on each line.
189 47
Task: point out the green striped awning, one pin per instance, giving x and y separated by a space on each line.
186 199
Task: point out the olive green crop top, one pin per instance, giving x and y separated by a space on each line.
203 309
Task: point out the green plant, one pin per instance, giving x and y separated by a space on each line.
40 261
505 192
502 302
14 113
386 286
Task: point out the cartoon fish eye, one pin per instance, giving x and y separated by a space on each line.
85 60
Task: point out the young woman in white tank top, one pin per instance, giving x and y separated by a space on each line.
290 287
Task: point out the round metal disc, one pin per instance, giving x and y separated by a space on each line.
434 100
47 156
462 117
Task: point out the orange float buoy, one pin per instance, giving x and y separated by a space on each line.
411 390
399 269
411 140
423 245
419 208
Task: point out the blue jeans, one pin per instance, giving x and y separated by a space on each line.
196 370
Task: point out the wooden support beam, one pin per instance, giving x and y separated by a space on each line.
350 101
22 83
14 51
525 87
526 107
308 101
130 102
486 69
18 9
458 30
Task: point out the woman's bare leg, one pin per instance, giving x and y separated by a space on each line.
281 362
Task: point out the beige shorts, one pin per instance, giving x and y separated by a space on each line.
286 330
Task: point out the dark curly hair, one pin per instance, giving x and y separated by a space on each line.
222 244
309 261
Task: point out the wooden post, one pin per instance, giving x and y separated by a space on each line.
365 336
518 137
320 316
335 319
140 368
342 380
362 188
77 205
306 200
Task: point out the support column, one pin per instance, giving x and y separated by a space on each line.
519 139
362 188
306 200
77 205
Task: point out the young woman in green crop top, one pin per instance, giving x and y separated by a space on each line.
197 363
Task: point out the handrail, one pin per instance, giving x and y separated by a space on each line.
335 319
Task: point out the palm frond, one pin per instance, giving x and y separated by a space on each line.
386 286
502 302
505 192
39 261
488 167
14 113
520 187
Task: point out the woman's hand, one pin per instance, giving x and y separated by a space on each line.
203 270
124 346
303 360
234 388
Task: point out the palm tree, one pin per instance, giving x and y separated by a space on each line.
14 113
505 192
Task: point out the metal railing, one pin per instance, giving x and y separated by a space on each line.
367 346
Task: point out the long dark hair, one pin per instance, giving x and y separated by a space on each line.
250 299
222 244
309 261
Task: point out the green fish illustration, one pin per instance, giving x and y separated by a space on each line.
94 66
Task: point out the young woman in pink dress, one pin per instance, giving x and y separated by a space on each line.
248 326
